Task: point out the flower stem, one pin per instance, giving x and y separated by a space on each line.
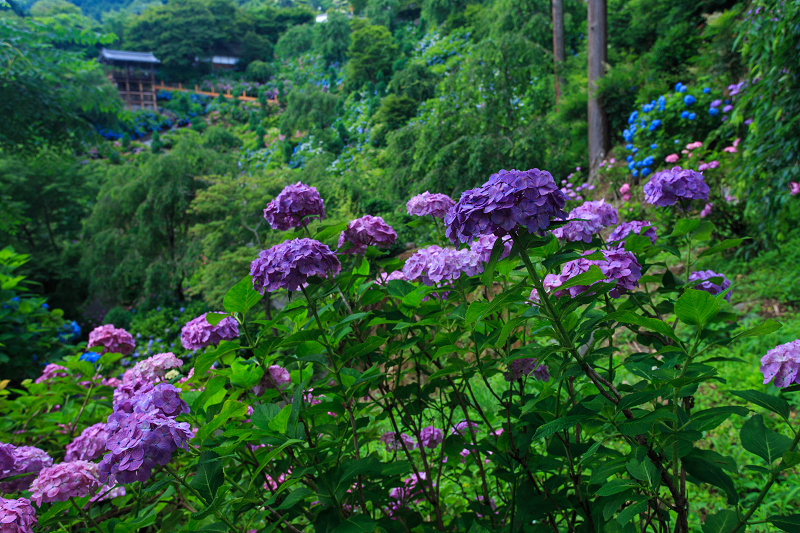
85 515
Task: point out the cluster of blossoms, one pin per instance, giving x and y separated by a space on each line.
63 481
17 516
705 276
668 187
463 428
367 231
509 199
383 278
411 491
637 227
288 265
617 266
395 441
431 437
782 363
151 369
198 333
426 204
526 367
435 265
17 460
50 372
483 245
112 340
586 221
295 206
89 445
573 191
275 378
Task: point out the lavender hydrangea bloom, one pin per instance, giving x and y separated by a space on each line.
288 265
7 459
587 220
622 267
152 369
138 442
112 340
27 460
636 226
427 204
431 437
89 445
434 265
526 367
383 278
108 493
710 286
276 376
393 443
162 398
510 198
51 372
367 231
482 247
128 389
411 491
667 187
294 207
198 333
463 428
17 516
782 363
63 481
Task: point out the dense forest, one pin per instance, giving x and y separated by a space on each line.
146 218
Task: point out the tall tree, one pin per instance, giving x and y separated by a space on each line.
598 127
558 46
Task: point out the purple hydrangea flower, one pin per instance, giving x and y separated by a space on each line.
782 363
27 460
463 428
294 207
409 492
17 516
138 442
510 198
275 377
51 372
622 267
623 230
710 286
198 333
288 265
7 459
383 278
163 398
667 187
393 443
587 220
89 445
482 247
434 265
112 340
526 367
152 369
63 481
367 231
108 493
425 204
431 437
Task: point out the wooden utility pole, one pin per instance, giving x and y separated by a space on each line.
558 46
598 126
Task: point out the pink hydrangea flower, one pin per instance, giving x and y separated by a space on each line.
393 443
426 204
111 339
27 460
108 493
706 210
63 481
672 158
52 371
782 363
17 516
794 188
198 333
694 145
153 368
89 445
625 191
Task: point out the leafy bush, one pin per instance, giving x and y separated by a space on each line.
297 40
260 71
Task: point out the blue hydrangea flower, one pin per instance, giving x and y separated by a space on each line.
706 90
681 88
629 158
631 165
645 171
634 116
713 111
688 100
629 146
635 173
635 150
653 146
654 125
692 116
662 102
92 357
684 114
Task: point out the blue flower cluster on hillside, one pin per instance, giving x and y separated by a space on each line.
174 110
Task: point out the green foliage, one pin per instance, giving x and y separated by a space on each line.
415 81
296 41
371 54
220 139
332 38
382 12
308 109
255 48
260 71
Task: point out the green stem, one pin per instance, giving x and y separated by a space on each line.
80 412
85 515
199 496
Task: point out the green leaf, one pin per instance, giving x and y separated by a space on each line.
724 245
708 473
627 514
242 297
487 278
216 318
281 420
357 523
293 497
360 350
204 361
587 278
721 522
696 307
230 409
653 324
329 230
693 227
501 301
790 523
263 414
209 476
764 328
767 444
477 528
775 404
645 471
556 425
246 374
615 486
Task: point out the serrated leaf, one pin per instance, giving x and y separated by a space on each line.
230 409
720 522
293 497
767 444
696 307
281 420
708 473
241 297
559 424
216 318
653 324
209 476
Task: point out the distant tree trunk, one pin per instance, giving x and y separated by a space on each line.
558 45
598 127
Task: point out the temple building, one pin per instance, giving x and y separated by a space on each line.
134 75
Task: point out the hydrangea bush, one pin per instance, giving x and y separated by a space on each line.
518 379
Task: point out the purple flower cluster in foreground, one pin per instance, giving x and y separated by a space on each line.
198 333
367 231
25 460
586 221
152 369
636 226
427 204
17 516
288 265
63 481
710 286
393 443
617 265
482 247
668 187
525 367
275 377
509 199
89 445
434 265
782 363
112 340
294 207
